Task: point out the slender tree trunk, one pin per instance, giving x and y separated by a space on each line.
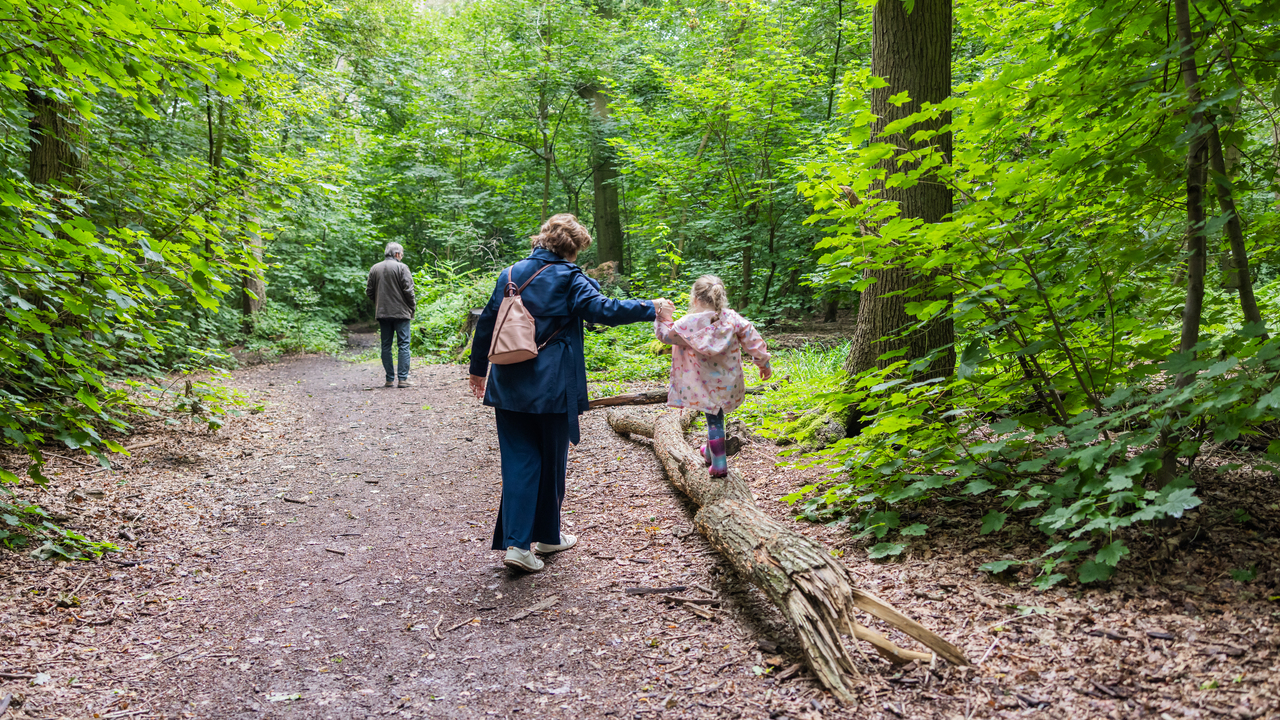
747 271
1196 243
220 140
912 51
253 285
208 121
1235 231
1197 166
546 184
831 307
835 57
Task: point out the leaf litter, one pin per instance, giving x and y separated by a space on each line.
225 599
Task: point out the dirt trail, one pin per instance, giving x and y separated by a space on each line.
330 608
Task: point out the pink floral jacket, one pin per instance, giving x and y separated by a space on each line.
706 359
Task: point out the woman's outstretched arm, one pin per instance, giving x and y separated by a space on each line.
587 302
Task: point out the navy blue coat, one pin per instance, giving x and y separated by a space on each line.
561 297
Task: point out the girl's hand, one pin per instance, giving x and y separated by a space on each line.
664 309
766 372
477 386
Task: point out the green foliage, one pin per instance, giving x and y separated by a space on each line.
624 354
23 525
728 95
1068 406
445 296
791 411
1245 575
279 328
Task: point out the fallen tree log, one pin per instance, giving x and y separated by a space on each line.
814 592
655 397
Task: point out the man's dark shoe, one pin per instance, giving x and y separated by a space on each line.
390 383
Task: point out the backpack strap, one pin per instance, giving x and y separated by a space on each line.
511 288
552 336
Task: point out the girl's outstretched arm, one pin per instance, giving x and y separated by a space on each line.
755 346
665 330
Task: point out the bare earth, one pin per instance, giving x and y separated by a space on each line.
328 558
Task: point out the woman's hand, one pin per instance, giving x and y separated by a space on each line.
477 386
664 308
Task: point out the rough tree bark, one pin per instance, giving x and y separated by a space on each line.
912 51
53 156
1197 166
813 591
604 173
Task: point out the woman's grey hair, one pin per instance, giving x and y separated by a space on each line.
393 249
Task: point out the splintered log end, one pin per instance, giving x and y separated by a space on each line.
886 612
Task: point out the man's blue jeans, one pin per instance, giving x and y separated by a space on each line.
399 330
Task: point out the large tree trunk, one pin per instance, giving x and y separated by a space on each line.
912 51
604 173
799 576
53 132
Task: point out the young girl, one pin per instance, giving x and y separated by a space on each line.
706 361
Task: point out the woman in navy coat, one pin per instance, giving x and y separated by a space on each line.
537 402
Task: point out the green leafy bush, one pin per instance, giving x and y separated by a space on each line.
1062 272
792 411
446 294
624 354
279 328
24 524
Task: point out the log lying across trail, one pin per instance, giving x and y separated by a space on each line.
655 397
812 590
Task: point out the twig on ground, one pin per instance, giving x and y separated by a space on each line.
994 643
64 457
543 605
464 622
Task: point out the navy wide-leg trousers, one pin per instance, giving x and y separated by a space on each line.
535 453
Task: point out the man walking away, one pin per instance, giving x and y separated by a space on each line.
390 288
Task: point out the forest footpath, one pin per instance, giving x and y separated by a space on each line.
327 557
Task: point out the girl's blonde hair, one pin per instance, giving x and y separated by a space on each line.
708 292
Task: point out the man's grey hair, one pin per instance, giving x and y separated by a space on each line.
393 249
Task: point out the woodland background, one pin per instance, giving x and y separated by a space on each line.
1045 231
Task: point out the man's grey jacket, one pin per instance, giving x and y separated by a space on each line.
390 287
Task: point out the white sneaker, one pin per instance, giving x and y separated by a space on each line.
522 560
566 542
